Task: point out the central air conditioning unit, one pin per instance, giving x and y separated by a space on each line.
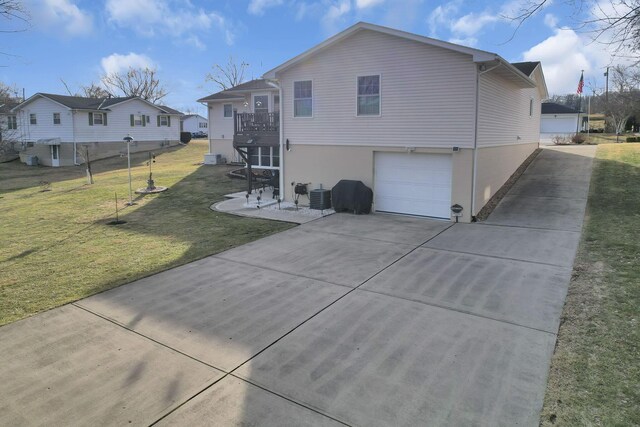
214 159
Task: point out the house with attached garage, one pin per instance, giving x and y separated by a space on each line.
53 127
426 124
558 121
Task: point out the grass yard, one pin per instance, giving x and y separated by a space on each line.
595 372
56 246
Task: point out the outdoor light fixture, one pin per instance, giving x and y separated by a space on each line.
457 211
128 139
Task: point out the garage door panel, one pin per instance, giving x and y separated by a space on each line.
414 184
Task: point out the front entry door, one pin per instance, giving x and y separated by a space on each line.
55 155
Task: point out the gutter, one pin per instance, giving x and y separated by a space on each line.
73 129
274 84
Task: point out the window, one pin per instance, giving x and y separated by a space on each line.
202 125
32 119
264 157
137 120
369 96
228 110
531 107
55 152
56 118
303 99
164 121
98 119
12 122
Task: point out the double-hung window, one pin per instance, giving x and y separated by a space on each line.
303 99
228 110
164 120
56 118
98 119
369 95
12 123
32 119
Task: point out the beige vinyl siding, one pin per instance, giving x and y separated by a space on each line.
221 127
119 125
503 113
427 95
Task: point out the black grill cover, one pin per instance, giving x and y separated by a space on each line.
351 196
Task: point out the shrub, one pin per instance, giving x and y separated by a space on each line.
559 140
578 138
185 137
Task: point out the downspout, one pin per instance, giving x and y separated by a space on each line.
474 167
73 129
274 84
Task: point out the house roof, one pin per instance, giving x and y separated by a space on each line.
504 68
553 108
186 116
236 93
526 68
84 103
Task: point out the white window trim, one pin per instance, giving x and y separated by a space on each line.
379 94
166 120
227 117
35 119
12 122
59 119
141 116
293 99
531 107
101 119
259 165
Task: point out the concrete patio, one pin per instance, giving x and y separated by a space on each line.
371 320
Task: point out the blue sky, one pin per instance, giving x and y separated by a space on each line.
77 41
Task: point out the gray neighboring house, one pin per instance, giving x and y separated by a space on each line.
423 122
52 127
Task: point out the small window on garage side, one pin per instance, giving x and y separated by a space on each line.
531 107
56 118
228 110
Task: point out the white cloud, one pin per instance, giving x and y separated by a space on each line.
442 16
175 18
472 23
563 56
363 4
335 15
116 63
62 16
257 7
550 20
468 41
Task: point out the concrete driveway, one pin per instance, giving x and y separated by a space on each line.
361 320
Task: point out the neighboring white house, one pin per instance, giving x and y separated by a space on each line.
52 127
557 120
8 132
194 123
425 123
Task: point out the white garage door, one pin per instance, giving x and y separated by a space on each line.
414 184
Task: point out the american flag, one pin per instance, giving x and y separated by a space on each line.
580 83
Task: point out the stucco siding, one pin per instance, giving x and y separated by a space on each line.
503 113
427 94
494 166
44 128
326 165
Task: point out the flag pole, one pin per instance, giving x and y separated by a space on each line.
580 86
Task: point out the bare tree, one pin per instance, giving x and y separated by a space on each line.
142 82
94 90
228 75
624 100
83 151
9 135
615 23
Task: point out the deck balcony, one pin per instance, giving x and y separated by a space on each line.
261 128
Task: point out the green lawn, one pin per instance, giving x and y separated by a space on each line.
56 246
595 372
